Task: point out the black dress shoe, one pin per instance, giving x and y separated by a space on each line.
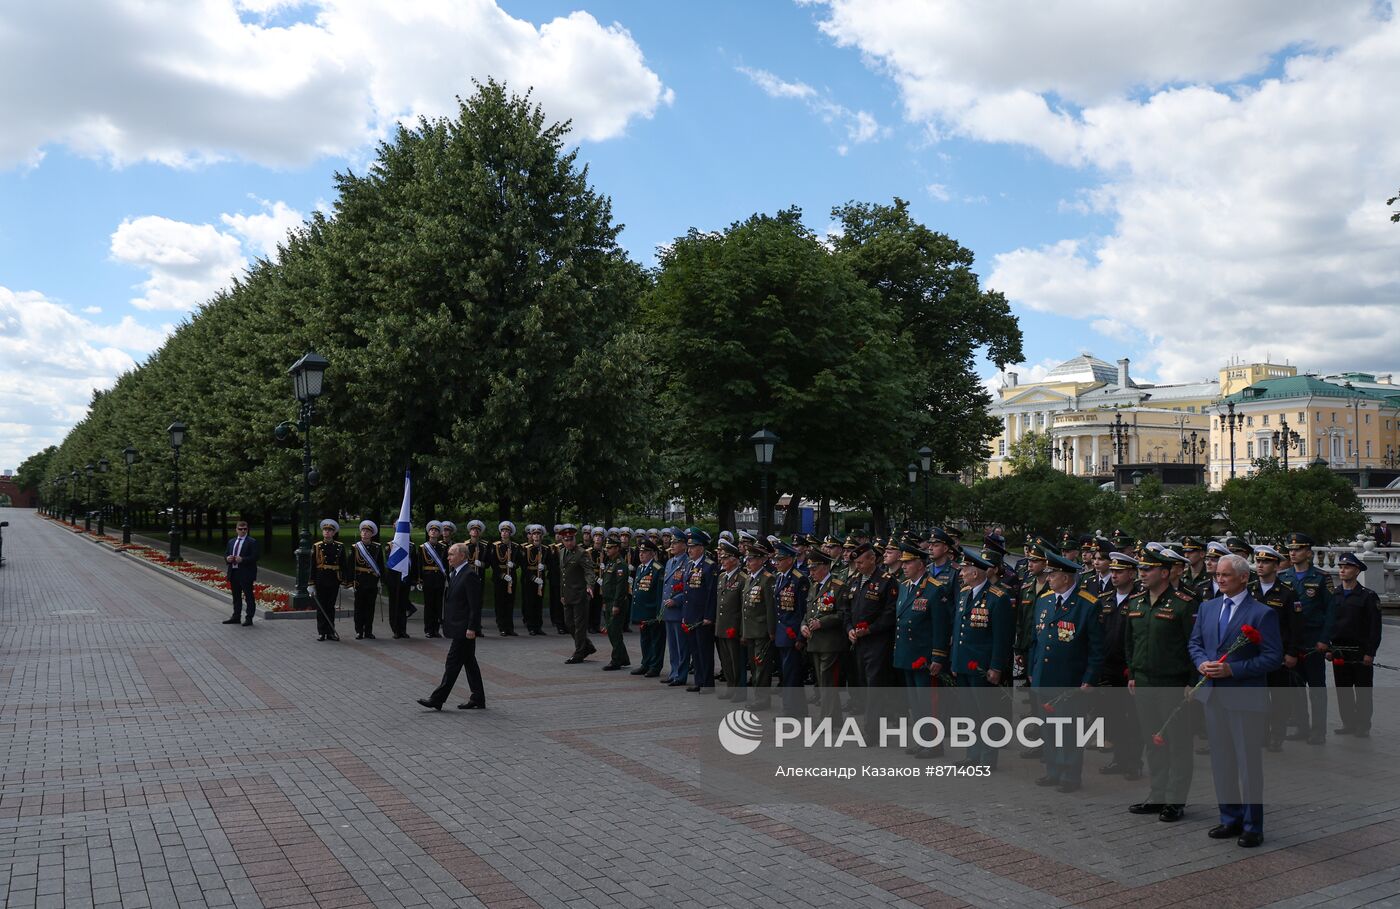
321 638
1225 831
675 684
1250 840
359 636
369 635
333 636
432 634
572 660
640 670
535 631
666 681
1048 781
247 622
471 705
611 667
232 621
1172 813
653 674
1067 787
693 688
1147 808
429 704
562 630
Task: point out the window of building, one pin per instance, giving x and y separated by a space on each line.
1334 416
1368 448
1266 419
1216 455
1302 448
1103 464
1001 448
1249 421
1249 449
1302 417
1368 419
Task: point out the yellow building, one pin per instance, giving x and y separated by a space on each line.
1089 409
1350 420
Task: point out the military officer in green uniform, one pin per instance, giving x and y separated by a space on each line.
1160 620
616 593
729 621
1195 574
1066 656
1314 589
983 631
825 631
646 610
760 622
576 576
328 565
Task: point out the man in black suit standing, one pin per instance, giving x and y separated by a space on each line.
461 615
241 556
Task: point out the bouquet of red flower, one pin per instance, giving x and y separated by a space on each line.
685 628
792 635
1248 635
731 633
862 626
921 662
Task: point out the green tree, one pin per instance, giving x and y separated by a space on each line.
32 470
1152 512
1039 500
760 326
1273 502
925 279
1031 450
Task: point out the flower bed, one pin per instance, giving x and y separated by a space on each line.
273 599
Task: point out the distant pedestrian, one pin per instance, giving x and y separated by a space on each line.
241 555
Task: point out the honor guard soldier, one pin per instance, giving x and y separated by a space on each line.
646 610
1066 656
983 631
506 559
449 530
915 612
825 630
615 577
790 587
760 623
534 560
629 554
1267 589
1099 555
432 578
575 581
327 567
672 602
729 621
1160 620
364 563
1208 589
1314 590
478 557
1120 720
398 588
1352 637
698 610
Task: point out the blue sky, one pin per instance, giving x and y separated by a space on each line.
1107 193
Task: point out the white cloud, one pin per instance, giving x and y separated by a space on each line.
92 310
265 231
188 81
939 192
186 263
51 361
860 126
1247 216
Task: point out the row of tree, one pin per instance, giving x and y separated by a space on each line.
485 330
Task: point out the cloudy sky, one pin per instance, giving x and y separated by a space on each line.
1179 182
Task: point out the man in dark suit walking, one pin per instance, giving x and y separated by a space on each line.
1237 697
461 614
241 556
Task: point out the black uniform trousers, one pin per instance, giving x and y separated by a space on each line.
432 603
399 606
366 592
327 593
531 602
505 606
1353 680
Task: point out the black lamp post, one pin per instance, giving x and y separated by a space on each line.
1064 451
1231 421
89 470
1118 431
764 441
1285 438
129 455
912 470
1193 446
177 438
308 375
73 497
103 465
926 464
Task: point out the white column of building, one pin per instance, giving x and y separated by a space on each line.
1095 453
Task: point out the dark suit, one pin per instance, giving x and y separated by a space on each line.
1236 707
461 610
242 575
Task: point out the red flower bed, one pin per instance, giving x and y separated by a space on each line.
272 598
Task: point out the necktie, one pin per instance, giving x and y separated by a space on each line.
238 547
1225 612
1059 602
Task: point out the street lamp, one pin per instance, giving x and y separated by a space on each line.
1065 452
90 469
1231 420
912 470
1118 431
102 466
1193 446
129 455
177 438
1137 477
1285 438
764 442
307 374
926 464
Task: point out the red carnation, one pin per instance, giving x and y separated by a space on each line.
1339 662
685 628
1158 739
862 626
732 633
972 666
1048 707
921 662
677 587
1251 634
792 634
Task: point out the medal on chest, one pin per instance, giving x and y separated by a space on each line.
1065 631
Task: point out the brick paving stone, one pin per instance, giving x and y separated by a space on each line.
150 756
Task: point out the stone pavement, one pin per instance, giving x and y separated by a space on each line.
150 756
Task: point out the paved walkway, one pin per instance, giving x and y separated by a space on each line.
150 756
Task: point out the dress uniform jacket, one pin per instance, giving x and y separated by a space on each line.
914 622
1314 590
673 588
363 574
826 617
646 592
432 572
1157 637
983 631
729 616
1354 622
698 597
1114 617
760 615
615 588
1282 599
790 601
1067 650
576 574
327 562
873 602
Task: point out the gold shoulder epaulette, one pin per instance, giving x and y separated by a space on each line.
994 590
1184 596
1088 596
837 582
